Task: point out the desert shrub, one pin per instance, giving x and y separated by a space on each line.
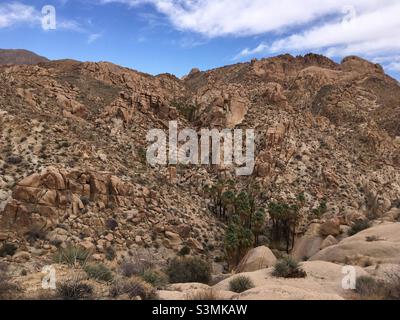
240 284
288 268
110 253
134 287
184 251
203 295
370 288
111 224
72 255
136 266
99 272
189 111
372 239
74 290
14 159
129 269
359 226
8 249
393 287
35 233
189 269
323 208
156 278
7 288
142 155
85 200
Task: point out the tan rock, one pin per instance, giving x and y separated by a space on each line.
53 179
98 184
173 239
329 241
109 237
309 244
256 259
58 235
87 245
21 257
357 249
330 228
26 194
33 181
195 244
48 198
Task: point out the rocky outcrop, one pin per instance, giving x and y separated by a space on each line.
42 199
379 244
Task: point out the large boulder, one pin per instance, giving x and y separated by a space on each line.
329 241
256 259
323 281
379 244
285 292
309 244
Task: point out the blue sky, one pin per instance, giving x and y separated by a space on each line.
158 36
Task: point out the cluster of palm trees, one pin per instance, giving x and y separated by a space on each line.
246 218
284 220
239 209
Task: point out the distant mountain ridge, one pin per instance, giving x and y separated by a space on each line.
19 56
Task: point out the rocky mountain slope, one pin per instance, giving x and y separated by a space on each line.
73 141
18 56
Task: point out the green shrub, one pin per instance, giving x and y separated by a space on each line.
189 269
359 226
184 251
156 278
74 290
142 155
8 249
134 287
288 268
99 272
240 284
72 255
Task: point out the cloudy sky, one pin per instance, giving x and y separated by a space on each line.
157 36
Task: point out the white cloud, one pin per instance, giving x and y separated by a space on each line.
94 37
18 13
367 33
13 13
333 27
248 17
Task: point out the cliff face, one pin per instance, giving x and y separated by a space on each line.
73 139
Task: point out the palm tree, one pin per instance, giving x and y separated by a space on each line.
258 223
